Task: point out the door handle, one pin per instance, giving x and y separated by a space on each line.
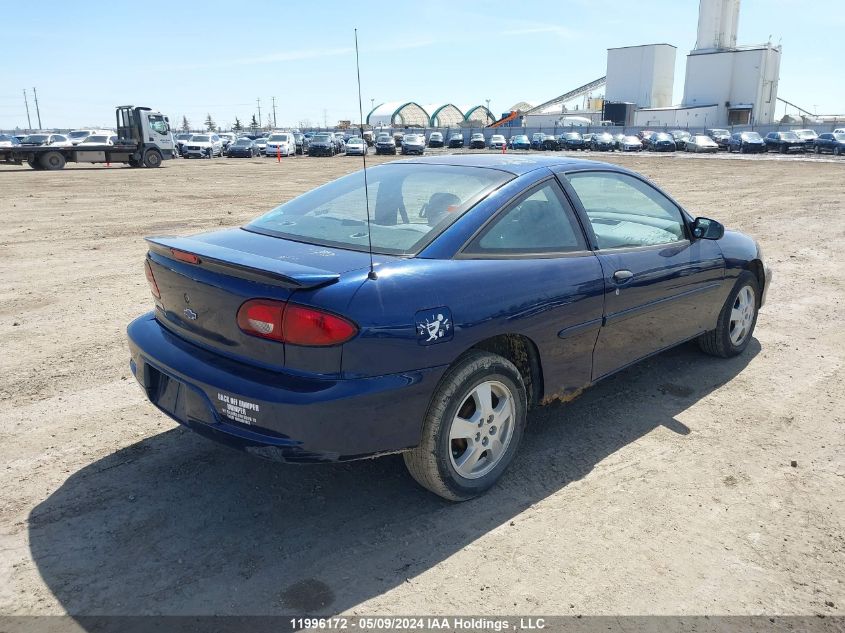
622 276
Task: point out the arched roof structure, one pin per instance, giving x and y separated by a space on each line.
479 114
445 115
522 106
399 113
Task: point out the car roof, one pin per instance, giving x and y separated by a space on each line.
516 165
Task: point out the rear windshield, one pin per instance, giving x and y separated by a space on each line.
36 138
243 141
199 138
409 204
97 139
78 134
750 136
278 137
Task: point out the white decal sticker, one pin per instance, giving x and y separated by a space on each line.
238 409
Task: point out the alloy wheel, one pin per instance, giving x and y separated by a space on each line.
482 429
742 315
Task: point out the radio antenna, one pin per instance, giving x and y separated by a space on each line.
372 273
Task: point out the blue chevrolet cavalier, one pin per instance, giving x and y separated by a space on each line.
497 284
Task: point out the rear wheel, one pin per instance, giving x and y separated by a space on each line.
737 319
152 158
472 428
52 160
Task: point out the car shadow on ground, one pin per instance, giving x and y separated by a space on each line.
178 525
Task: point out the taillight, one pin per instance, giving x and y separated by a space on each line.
148 271
307 326
262 317
295 324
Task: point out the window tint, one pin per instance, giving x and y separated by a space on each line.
538 223
624 211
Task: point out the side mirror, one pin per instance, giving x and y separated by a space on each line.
707 229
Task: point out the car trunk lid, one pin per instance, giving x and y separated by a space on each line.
203 280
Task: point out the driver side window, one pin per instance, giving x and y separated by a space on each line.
158 124
625 212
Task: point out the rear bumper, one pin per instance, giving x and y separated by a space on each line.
278 416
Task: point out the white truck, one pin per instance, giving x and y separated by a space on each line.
143 140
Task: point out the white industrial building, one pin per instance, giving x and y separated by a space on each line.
644 75
725 84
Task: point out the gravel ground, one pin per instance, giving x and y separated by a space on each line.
684 485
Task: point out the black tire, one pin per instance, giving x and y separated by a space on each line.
52 161
152 158
718 342
430 463
34 163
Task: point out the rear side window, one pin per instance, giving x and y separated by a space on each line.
626 212
539 222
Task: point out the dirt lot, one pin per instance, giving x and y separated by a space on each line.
667 489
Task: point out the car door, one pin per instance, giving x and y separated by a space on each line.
661 287
551 283
824 141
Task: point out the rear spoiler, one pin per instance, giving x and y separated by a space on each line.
248 265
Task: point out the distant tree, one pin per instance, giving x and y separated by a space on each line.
253 124
186 127
210 125
237 127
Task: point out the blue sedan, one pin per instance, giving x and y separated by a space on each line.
480 287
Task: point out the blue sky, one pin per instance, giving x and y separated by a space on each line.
193 58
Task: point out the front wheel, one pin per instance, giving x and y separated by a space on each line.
472 429
737 319
152 159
